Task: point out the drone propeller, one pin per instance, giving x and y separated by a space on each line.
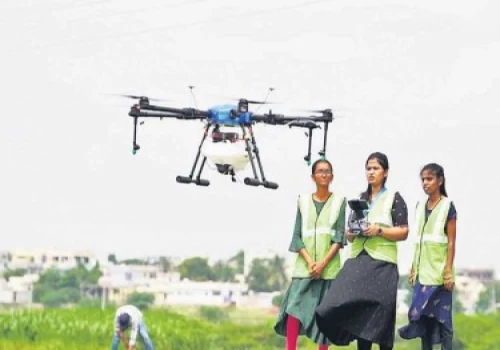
253 102
322 111
135 97
326 111
259 102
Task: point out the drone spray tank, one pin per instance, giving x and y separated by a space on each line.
226 147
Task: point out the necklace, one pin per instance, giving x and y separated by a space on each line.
433 205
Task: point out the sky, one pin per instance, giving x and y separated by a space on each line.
418 81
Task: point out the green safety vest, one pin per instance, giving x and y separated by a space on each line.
377 247
317 234
431 243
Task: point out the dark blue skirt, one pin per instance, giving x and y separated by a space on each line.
429 302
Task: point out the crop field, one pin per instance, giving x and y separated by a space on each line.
208 329
79 329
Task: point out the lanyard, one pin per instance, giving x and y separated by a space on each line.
372 203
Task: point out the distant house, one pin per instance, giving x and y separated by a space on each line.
470 283
483 275
18 290
4 261
46 259
469 289
119 281
185 292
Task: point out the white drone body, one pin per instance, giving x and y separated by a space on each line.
227 148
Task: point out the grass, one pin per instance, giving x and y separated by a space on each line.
189 328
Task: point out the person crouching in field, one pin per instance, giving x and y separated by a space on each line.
129 316
432 272
317 238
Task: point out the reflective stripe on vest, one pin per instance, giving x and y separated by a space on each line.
317 234
431 242
377 247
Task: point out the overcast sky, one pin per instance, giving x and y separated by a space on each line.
418 82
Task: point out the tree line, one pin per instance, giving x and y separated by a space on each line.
263 275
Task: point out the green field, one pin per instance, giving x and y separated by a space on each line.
190 328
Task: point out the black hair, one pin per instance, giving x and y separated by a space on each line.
382 159
437 170
124 320
315 164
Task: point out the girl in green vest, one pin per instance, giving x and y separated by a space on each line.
317 238
361 302
432 272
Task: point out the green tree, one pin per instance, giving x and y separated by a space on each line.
278 299
142 301
258 275
267 274
112 259
55 288
134 261
165 264
196 269
14 272
238 261
458 307
488 296
278 278
223 272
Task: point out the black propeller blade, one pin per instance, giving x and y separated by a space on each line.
322 111
136 97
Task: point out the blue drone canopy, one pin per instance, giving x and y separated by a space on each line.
221 115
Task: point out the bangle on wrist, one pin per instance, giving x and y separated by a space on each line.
380 233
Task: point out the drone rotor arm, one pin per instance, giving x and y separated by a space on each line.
309 122
291 121
182 113
179 114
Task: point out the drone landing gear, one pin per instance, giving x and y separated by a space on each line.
198 180
255 181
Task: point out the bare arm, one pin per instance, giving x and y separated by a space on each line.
304 254
399 230
451 229
310 262
334 249
350 237
397 233
452 234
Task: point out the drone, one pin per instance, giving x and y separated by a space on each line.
228 139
